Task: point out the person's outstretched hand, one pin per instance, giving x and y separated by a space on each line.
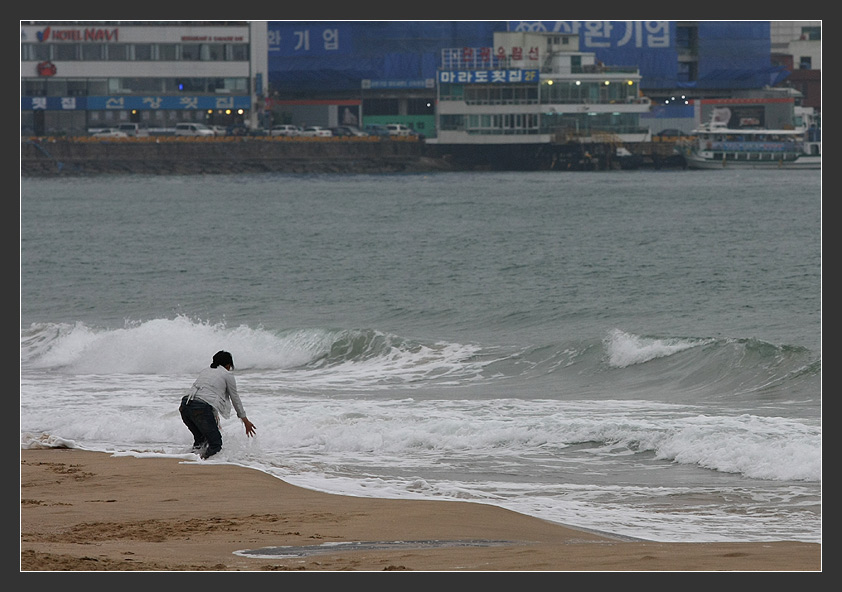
250 427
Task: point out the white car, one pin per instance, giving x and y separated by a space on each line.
110 133
193 129
285 129
397 129
316 131
134 129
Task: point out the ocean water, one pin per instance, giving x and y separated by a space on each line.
636 352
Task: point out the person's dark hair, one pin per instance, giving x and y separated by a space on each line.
222 358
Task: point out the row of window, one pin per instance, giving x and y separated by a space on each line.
134 52
93 87
619 123
558 92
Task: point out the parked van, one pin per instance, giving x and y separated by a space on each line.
193 129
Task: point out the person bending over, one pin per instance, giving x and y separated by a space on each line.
212 394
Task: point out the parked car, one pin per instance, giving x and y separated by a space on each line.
134 129
285 129
340 132
316 131
219 130
110 133
192 129
237 130
347 130
397 129
376 129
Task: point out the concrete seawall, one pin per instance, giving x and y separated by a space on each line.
170 156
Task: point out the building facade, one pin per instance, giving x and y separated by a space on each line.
76 76
536 88
81 75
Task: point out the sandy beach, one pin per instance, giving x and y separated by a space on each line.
90 511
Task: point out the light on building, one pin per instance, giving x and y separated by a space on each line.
578 83
607 82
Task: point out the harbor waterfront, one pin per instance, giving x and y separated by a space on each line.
633 352
231 155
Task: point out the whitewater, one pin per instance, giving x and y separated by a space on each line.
635 353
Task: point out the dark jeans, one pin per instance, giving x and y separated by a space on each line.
200 419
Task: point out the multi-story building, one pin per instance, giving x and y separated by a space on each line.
536 88
81 75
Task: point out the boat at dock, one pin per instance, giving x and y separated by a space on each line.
717 146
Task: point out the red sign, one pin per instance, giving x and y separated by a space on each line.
46 69
90 34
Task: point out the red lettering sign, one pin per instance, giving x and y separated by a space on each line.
50 34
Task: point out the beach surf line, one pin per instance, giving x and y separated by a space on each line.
292 551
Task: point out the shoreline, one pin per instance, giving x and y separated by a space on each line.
91 511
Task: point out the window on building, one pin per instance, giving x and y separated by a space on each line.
380 106
93 52
212 52
811 33
117 52
141 85
36 52
34 88
805 63
77 87
57 87
66 52
191 52
167 52
142 52
237 52
97 86
419 107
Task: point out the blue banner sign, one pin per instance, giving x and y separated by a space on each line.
121 103
422 83
607 34
486 76
309 38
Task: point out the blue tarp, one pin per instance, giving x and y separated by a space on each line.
735 54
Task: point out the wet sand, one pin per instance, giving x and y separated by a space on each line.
91 511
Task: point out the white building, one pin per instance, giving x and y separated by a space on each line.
800 39
536 88
79 75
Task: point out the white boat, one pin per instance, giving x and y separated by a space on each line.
716 146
